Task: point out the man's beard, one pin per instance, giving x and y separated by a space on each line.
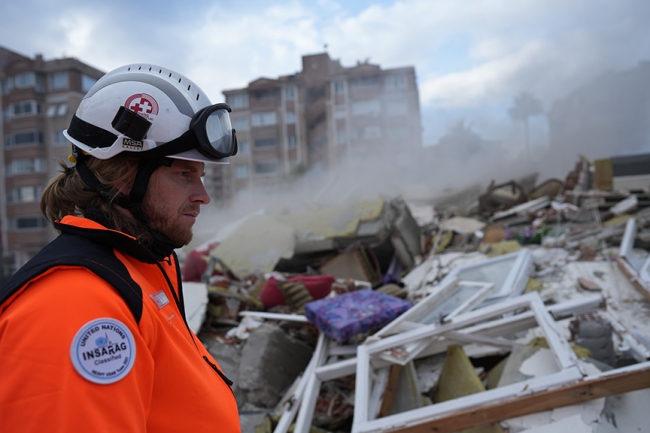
167 222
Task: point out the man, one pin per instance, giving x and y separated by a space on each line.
93 335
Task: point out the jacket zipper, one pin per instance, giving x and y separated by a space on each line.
179 306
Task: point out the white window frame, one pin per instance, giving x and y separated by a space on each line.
290 117
238 100
59 80
290 93
369 107
241 123
24 80
515 281
317 372
367 355
399 107
243 147
396 81
264 118
266 146
267 173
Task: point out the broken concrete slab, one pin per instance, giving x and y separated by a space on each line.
270 362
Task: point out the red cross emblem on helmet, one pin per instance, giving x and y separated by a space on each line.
143 105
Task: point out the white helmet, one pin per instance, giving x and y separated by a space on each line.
152 112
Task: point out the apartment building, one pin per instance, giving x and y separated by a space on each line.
314 117
38 99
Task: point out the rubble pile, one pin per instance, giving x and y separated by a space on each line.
524 311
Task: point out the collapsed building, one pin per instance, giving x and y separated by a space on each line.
524 309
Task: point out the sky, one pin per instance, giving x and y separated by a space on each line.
472 57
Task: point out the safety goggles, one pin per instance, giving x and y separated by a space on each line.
210 133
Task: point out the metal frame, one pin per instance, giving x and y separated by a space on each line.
368 355
415 315
515 281
321 373
296 399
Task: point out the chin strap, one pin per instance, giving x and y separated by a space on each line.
161 246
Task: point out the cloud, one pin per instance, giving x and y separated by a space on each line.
467 53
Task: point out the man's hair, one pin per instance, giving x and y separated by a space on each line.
67 194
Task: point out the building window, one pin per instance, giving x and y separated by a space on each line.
87 82
58 139
266 167
264 95
341 136
397 108
360 82
367 133
27 108
57 110
7 85
290 117
372 132
290 93
25 165
339 86
243 147
261 143
371 107
23 138
238 100
26 194
27 223
59 80
242 171
396 81
291 141
240 123
397 132
27 79
264 119
340 111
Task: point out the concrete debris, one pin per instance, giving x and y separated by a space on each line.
355 318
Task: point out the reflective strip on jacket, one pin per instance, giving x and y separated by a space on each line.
171 386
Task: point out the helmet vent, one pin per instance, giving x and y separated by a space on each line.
170 75
140 68
149 68
197 96
188 86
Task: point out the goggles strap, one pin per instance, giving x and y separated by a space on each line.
86 132
187 141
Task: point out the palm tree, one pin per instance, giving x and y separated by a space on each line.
526 105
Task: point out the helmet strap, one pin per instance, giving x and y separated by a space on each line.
161 246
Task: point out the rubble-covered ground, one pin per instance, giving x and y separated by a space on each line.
524 309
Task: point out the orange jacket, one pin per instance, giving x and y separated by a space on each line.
74 357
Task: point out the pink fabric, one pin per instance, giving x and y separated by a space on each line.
318 285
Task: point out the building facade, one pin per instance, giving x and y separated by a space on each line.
38 99
314 117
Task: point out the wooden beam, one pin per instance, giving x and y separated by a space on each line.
603 385
391 390
633 276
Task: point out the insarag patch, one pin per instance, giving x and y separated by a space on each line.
103 351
